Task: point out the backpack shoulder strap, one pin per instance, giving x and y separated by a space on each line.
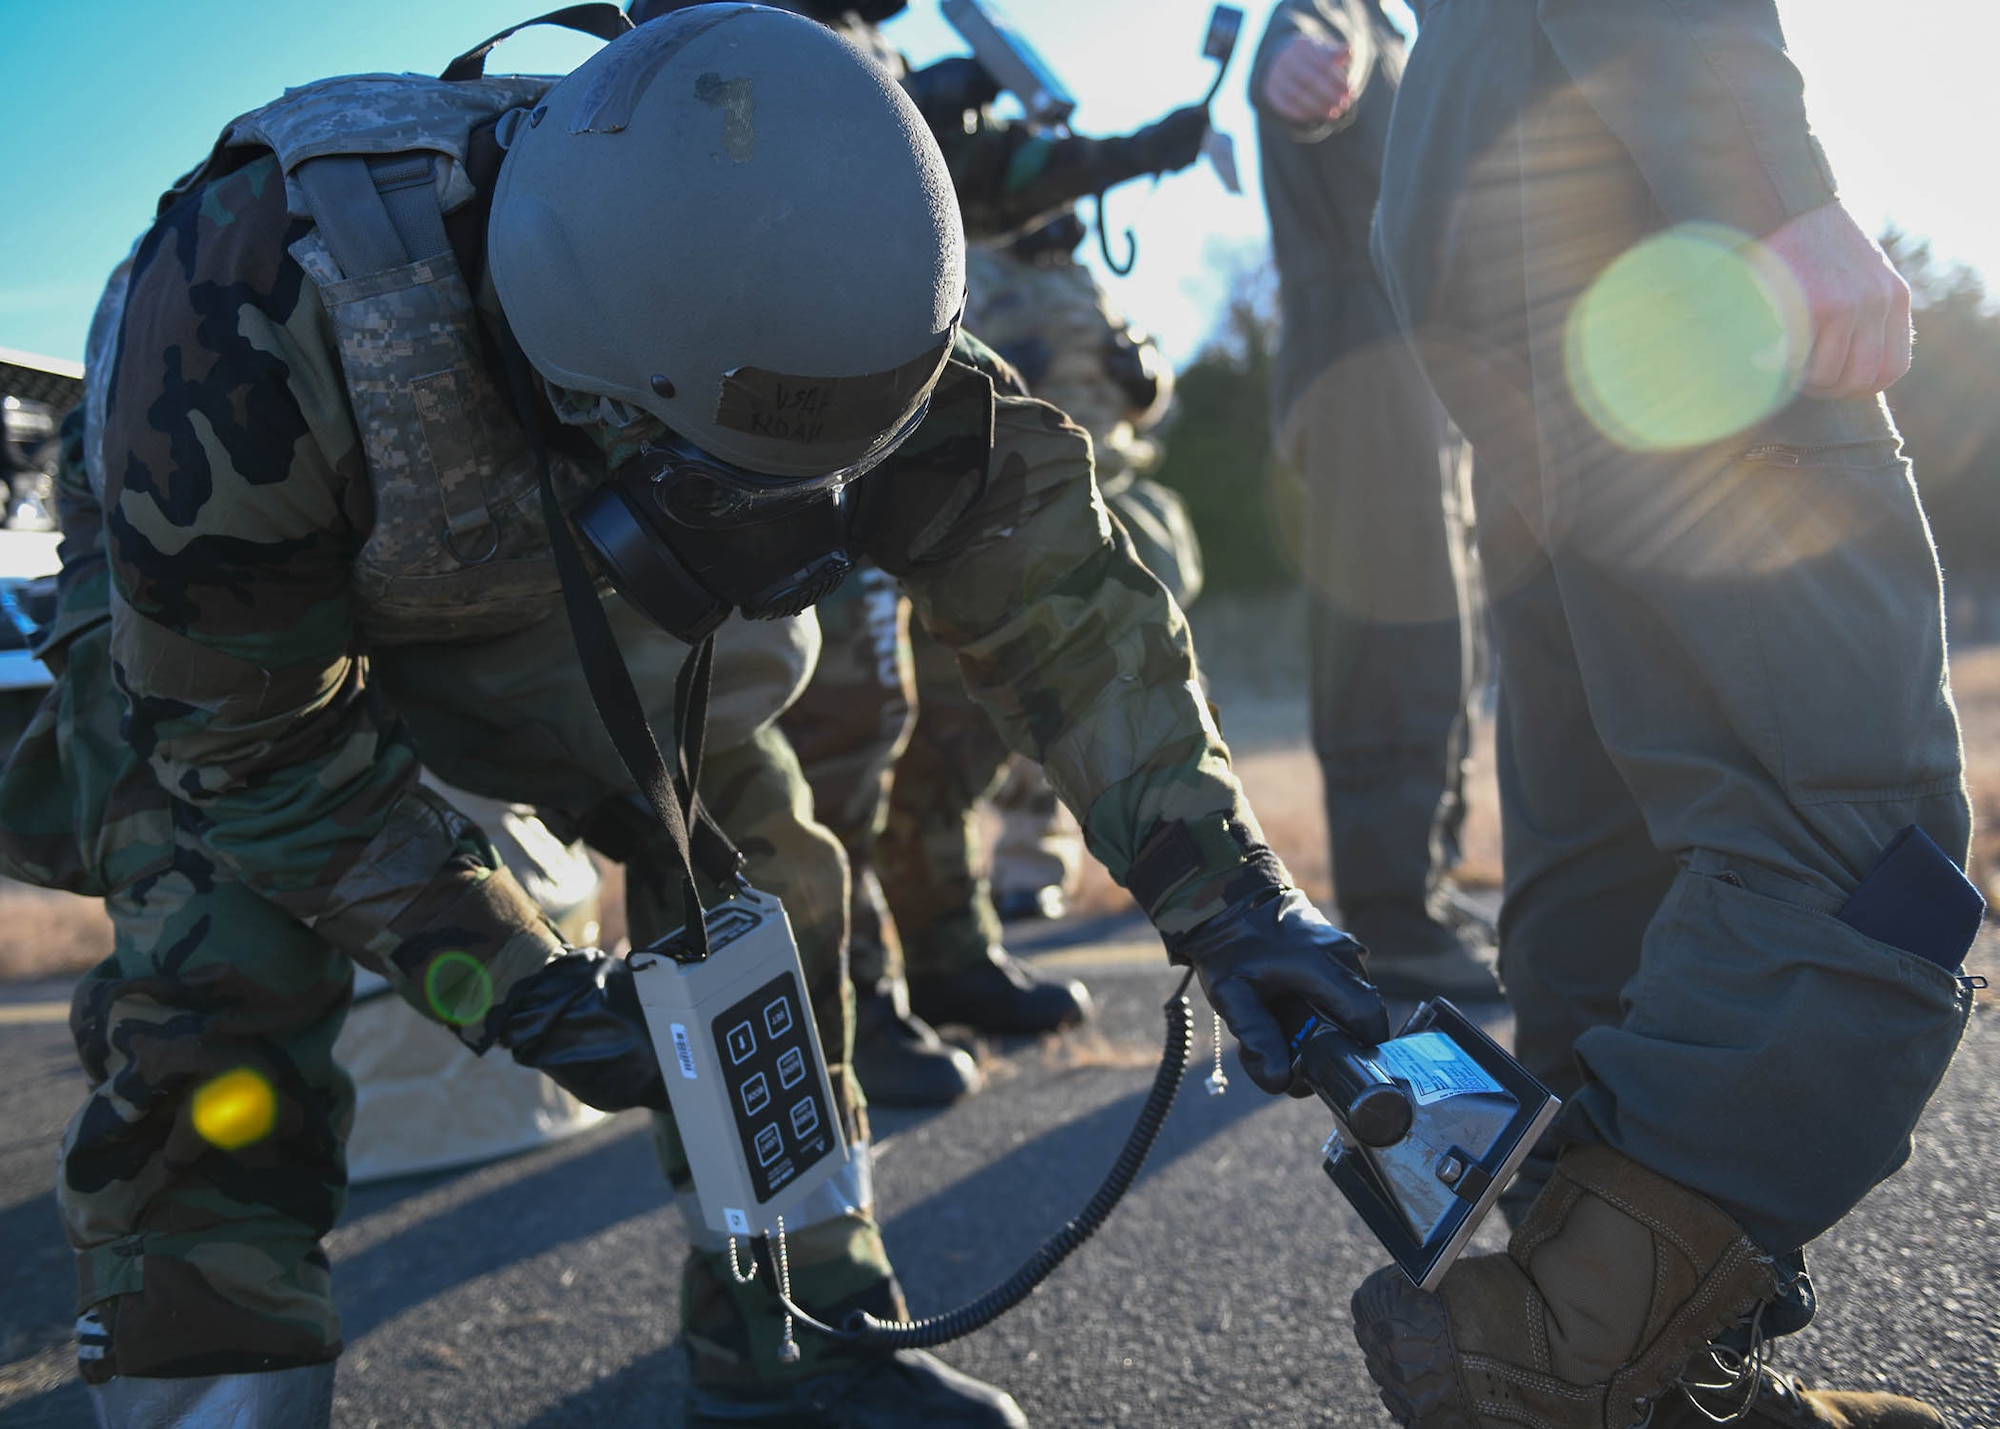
375 212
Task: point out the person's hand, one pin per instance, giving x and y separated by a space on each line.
1171 144
578 1020
1269 949
944 91
1856 301
1307 81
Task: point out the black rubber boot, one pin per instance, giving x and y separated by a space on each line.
900 1391
901 1061
1002 994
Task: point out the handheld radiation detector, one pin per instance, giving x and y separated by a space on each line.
743 1065
1429 1127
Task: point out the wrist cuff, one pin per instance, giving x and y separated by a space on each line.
1177 855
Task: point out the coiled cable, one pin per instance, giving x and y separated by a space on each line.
863 1328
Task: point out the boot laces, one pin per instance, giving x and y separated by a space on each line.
1736 1379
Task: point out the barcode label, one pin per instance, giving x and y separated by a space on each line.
684 1051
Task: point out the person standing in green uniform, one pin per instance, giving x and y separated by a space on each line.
1730 769
385 357
1384 551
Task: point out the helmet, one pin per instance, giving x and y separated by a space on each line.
827 12
730 220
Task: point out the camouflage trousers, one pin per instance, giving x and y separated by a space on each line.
898 788
207 1162
849 727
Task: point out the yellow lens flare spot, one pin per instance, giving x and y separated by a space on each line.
1690 337
235 1110
458 988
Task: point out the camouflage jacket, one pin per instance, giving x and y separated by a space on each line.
236 500
1054 323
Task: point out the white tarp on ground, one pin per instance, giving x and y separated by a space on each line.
424 1103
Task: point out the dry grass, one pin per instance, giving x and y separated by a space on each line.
1284 788
48 934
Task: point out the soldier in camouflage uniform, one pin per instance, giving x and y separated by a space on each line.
849 727
302 547
1048 315
851 724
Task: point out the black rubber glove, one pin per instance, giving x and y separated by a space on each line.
579 1021
1271 948
944 91
1169 144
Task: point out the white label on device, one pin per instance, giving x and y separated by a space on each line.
684 1051
1434 1067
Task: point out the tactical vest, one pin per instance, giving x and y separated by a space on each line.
459 549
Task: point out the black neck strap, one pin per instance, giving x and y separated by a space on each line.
672 796
600 21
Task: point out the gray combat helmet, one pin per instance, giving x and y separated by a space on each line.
730 219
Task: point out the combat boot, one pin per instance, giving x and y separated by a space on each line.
900 1060
1616 1280
742 1372
999 994
1723 1388
1412 952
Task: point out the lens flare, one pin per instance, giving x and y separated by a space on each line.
1689 337
235 1109
458 988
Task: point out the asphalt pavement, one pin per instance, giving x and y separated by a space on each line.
541 1291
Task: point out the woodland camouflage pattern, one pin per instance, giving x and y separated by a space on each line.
256 821
850 727
1058 329
1054 322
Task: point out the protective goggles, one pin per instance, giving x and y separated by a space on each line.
694 488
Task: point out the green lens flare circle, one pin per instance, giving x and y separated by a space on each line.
1689 337
458 988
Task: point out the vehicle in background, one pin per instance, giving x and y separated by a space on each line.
36 393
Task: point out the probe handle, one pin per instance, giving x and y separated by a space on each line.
1372 1108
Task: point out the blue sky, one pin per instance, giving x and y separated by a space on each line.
108 101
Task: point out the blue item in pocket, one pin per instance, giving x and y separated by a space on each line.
1917 899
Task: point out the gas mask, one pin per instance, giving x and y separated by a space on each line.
687 537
